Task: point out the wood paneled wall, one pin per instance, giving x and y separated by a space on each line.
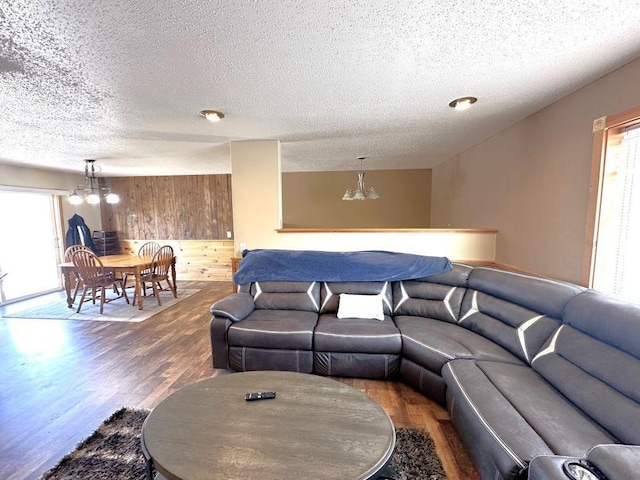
194 207
195 259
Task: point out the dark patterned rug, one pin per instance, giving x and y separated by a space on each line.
113 452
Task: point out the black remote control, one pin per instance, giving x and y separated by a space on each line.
250 397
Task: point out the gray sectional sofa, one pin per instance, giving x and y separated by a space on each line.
532 371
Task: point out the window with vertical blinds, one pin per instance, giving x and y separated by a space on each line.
617 258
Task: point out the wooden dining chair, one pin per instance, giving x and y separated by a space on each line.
95 277
68 257
160 268
147 249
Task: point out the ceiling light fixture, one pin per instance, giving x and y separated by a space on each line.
212 115
361 192
463 103
91 191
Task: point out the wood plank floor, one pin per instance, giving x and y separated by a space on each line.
60 379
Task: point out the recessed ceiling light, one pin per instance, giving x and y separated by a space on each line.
463 103
212 115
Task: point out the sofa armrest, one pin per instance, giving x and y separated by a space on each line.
219 347
616 462
235 307
548 467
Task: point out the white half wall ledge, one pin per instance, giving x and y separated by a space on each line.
456 244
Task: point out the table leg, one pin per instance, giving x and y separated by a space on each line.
387 473
149 468
139 295
173 275
147 458
67 288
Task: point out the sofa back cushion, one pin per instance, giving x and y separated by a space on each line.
438 296
518 312
330 294
594 361
286 295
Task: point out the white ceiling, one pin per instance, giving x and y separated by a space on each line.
122 81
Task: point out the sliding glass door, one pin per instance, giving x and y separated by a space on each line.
29 249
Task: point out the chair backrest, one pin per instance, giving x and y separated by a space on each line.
89 268
162 261
148 249
68 253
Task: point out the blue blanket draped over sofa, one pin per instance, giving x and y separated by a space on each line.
305 265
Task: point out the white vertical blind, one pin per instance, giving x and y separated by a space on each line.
617 261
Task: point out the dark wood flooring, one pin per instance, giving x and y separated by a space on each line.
60 379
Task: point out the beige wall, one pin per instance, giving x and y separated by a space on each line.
256 192
15 176
314 200
255 167
531 180
456 245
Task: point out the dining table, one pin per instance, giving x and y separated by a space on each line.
129 264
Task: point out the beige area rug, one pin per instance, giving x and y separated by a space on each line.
55 308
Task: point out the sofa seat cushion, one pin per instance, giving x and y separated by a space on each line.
356 335
281 329
507 414
564 427
432 343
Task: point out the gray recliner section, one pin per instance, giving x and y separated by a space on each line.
356 347
533 371
593 360
277 334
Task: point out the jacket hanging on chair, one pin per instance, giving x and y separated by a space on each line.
78 233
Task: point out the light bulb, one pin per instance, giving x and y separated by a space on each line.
112 198
463 105
75 199
93 198
212 115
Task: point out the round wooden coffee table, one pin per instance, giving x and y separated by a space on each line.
315 428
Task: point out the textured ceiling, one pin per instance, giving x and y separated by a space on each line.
122 81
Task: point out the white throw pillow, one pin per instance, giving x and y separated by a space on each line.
360 306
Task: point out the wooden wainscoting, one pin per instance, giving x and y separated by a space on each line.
196 259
